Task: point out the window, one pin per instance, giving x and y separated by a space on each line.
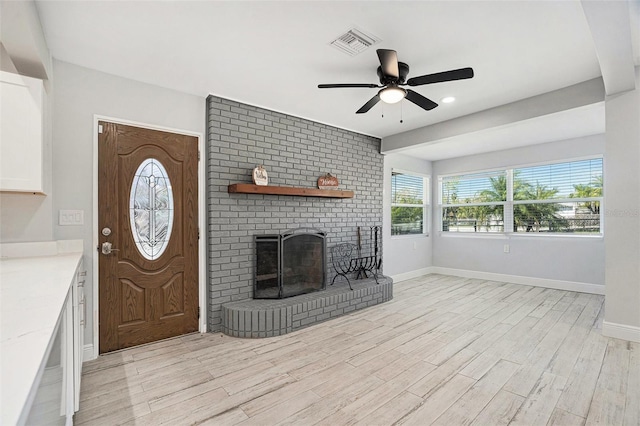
474 202
409 203
151 209
561 198
552 198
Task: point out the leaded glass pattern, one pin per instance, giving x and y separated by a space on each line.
151 208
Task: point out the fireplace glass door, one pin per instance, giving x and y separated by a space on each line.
302 264
289 264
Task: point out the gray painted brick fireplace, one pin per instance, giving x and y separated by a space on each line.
295 152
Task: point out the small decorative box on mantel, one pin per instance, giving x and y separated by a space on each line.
260 176
328 182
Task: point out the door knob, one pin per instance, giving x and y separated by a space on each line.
107 248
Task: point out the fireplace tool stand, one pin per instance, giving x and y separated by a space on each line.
363 258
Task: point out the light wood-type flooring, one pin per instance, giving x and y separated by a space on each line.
445 351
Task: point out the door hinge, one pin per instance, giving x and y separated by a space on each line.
99 128
198 312
198 155
198 232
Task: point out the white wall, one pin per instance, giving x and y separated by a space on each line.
565 258
622 213
79 94
6 63
22 37
403 256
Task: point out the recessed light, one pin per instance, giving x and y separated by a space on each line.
447 100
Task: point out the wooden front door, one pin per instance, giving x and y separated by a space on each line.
148 235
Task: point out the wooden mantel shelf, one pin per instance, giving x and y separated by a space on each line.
249 188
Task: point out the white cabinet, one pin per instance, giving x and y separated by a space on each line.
21 133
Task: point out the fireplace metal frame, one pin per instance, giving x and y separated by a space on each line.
281 239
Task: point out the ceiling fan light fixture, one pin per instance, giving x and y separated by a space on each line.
392 94
447 99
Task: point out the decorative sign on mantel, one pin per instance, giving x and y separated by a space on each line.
328 182
260 176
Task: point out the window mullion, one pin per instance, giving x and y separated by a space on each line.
508 205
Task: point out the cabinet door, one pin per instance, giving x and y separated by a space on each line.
20 133
79 325
51 405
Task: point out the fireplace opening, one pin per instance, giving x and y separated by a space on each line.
290 263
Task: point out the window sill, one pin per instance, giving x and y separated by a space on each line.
409 236
494 235
518 235
534 235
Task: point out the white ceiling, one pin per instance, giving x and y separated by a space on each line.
273 54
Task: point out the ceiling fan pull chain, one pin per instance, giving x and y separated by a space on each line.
401 121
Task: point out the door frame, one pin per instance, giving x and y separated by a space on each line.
202 278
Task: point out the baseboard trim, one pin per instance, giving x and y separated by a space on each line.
621 331
412 274
87 353
517 279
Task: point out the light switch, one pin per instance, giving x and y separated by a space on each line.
71 217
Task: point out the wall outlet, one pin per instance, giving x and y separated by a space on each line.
506 248
71 217
415 245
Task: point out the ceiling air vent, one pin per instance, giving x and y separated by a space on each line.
354 41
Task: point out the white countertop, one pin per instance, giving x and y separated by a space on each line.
32 295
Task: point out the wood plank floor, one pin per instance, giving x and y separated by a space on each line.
444 351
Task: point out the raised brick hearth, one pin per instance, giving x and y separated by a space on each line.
266 318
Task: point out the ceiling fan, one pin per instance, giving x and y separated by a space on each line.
392 75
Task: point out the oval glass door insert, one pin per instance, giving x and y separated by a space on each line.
151 208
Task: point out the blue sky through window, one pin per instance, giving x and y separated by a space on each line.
466 188
562 176
406 185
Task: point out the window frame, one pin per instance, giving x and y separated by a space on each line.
495 172
426 203
509 204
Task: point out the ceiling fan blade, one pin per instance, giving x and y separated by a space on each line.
420 100
366 107
333 86
389 62
440 77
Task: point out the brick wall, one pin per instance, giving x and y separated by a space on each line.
295 152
